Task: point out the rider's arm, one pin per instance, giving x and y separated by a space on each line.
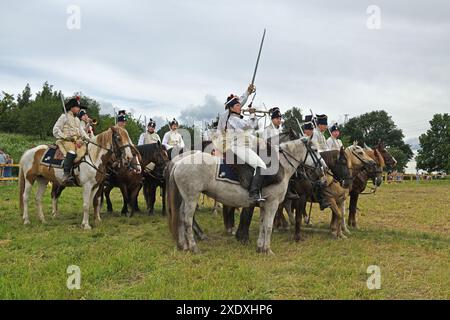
84 135
181 142
165 140
243 99
58 127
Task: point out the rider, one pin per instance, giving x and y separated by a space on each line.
150 136
238 138
274 129
173 138
85 122
69 132
333 142
122 119
308 126
318 137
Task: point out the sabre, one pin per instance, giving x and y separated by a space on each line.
259 55
63 104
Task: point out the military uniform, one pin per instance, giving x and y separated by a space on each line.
334 144
148 138
319 140
173 138
87 128
68 130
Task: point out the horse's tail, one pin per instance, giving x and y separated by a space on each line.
21 185
173 200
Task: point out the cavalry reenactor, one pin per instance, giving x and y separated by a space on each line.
333 142
308 127
318 137
122 119
150 136
274 128
239 139
173 138
70 135
86 122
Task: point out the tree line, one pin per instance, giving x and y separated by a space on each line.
36 116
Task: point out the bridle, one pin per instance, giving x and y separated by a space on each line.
302 163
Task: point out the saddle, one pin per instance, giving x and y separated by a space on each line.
242 173
55 154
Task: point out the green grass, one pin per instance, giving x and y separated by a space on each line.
404 230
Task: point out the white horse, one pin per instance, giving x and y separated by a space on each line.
195 173
111 145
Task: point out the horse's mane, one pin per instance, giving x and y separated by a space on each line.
102 139
330 157
147 150
376 156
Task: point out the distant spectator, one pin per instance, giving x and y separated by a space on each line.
2 161
7 172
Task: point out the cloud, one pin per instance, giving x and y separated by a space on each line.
179 58
208 110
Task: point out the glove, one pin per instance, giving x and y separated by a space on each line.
251 89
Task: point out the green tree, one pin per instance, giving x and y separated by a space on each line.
24 99
434 152
373 126
290 119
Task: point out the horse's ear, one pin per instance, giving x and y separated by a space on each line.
355 143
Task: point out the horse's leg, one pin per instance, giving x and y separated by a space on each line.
343 224
228 219
124 190
299 210
336 220
87 199
97 203
352 209
42 186
107 192
56 192
198 231
215 208
163 196
151 197
265 230
26 194
189 205
242 233
287 204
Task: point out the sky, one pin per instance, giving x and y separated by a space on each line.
174 58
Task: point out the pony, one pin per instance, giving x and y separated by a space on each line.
194 173
106 148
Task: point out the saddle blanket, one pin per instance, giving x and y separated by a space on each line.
53 157
226 173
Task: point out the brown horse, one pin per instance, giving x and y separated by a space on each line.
107 147
383 158
336 190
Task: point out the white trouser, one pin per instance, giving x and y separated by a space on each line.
248 156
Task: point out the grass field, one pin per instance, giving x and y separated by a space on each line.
404 229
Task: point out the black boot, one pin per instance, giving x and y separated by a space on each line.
291 194
255 187
68 179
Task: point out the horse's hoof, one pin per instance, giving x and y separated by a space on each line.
86 226
44 222
54 216
195 249
25 222
151 212
266 251
298 238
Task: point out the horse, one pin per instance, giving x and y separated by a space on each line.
338 180
195 173
383 158
107 147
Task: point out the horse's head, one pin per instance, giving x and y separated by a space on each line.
359 159
121 146
375 173
342 170
312 160
387 157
